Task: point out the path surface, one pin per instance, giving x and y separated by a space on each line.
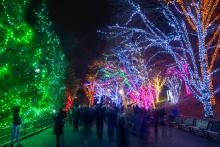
172 138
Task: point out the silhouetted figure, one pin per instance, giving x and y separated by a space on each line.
122 139
99 114
143 123
58 126
111 122
15 132
171 118
175 113
86 119
144 128
156 121
76 117
162 120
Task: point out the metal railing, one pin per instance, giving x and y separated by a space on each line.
26 129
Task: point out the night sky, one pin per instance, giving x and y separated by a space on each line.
77 22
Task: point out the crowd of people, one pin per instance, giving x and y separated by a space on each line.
120 122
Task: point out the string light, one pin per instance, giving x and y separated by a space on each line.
209 19
174 84
174 71
178 43
69 101
158 83
32 63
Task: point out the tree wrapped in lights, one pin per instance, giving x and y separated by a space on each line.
209 22
174 71
158 83
174 84
186 46
90 92
69 101
123 81
135 74
135 67
32 63
135 82
108 90
113 81
102 86
91 77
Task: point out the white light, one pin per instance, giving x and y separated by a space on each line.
54 111
121 91
37 70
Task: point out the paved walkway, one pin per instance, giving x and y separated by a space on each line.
172 138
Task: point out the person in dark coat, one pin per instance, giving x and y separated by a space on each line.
86 118
156 121
15 132
162 120
111 122
76 117
99 114
122 134
58 126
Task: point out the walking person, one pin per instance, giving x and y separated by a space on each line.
122 134
16 124
86 119
99 120
162 121
58 127
111 121
76 117
156 121
144 129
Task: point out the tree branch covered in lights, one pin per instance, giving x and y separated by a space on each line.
91 77
121 81
158 83
183 44
174 71
32 62
174 84
210 18
140 91
100 85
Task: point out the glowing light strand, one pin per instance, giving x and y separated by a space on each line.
199 83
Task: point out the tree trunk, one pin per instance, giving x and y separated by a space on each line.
207 108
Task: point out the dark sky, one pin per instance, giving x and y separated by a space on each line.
77 22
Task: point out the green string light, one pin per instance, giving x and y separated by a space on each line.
32 63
